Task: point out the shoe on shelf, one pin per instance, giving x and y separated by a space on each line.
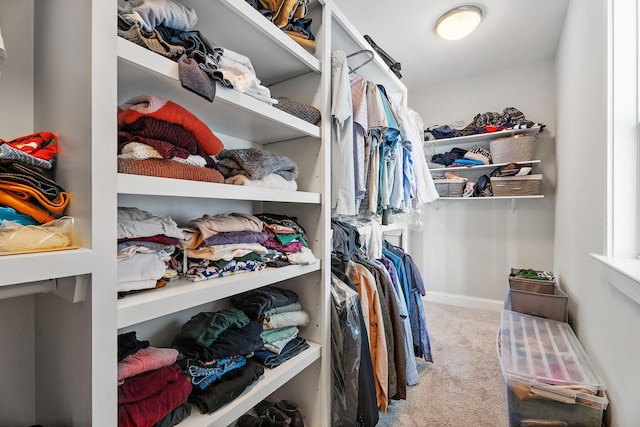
292 409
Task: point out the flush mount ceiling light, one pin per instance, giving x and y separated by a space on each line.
458 22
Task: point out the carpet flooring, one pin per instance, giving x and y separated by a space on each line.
463 387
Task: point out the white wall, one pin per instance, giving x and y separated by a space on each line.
467 248
605 321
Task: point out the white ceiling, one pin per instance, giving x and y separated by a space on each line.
512 33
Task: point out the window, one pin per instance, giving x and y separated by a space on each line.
622 259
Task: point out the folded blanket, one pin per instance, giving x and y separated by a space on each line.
282 320
8 152
30 175
226 252
169 169
208 225
271 180
255 164
168 111
43 145
30 201
134 223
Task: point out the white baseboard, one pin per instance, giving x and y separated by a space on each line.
464 301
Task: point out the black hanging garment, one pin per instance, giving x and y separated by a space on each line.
392 63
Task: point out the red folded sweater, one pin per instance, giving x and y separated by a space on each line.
170 112
147 398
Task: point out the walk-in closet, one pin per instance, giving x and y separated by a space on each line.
220 213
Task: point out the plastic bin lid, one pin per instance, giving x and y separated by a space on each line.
534 349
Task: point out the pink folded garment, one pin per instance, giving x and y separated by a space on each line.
145 360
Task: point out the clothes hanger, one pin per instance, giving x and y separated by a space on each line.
371 56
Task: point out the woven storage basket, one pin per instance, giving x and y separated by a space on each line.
306 112
528 185
449 187
519 148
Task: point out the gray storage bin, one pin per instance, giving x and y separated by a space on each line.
542 299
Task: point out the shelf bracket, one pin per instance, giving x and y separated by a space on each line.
513 205
73 289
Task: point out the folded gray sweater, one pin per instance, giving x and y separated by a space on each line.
255 164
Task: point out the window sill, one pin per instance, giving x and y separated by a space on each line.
623 274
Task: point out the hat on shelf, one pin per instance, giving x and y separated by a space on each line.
478 153
306 112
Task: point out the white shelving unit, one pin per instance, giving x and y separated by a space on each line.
480 138
59 325
473 172
62 328
240 121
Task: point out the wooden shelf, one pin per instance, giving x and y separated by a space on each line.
182 294
271 381
143 71
167 187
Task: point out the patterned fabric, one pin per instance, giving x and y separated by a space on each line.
9 153
200 270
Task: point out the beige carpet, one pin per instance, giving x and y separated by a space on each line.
464 385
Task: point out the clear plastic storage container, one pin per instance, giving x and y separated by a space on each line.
550 380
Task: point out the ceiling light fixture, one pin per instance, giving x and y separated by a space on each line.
458 22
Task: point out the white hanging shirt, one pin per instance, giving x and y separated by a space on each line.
343 195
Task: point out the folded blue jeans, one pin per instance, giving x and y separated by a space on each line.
272 360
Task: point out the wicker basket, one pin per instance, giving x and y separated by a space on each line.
528 185
519 148
449 187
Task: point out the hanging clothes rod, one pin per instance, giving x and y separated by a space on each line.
360 52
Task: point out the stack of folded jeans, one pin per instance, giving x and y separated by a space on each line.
280 314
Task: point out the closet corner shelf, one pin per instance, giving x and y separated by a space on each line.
168 187
182 294
33 267
271 381
274 55
262 123
480 138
